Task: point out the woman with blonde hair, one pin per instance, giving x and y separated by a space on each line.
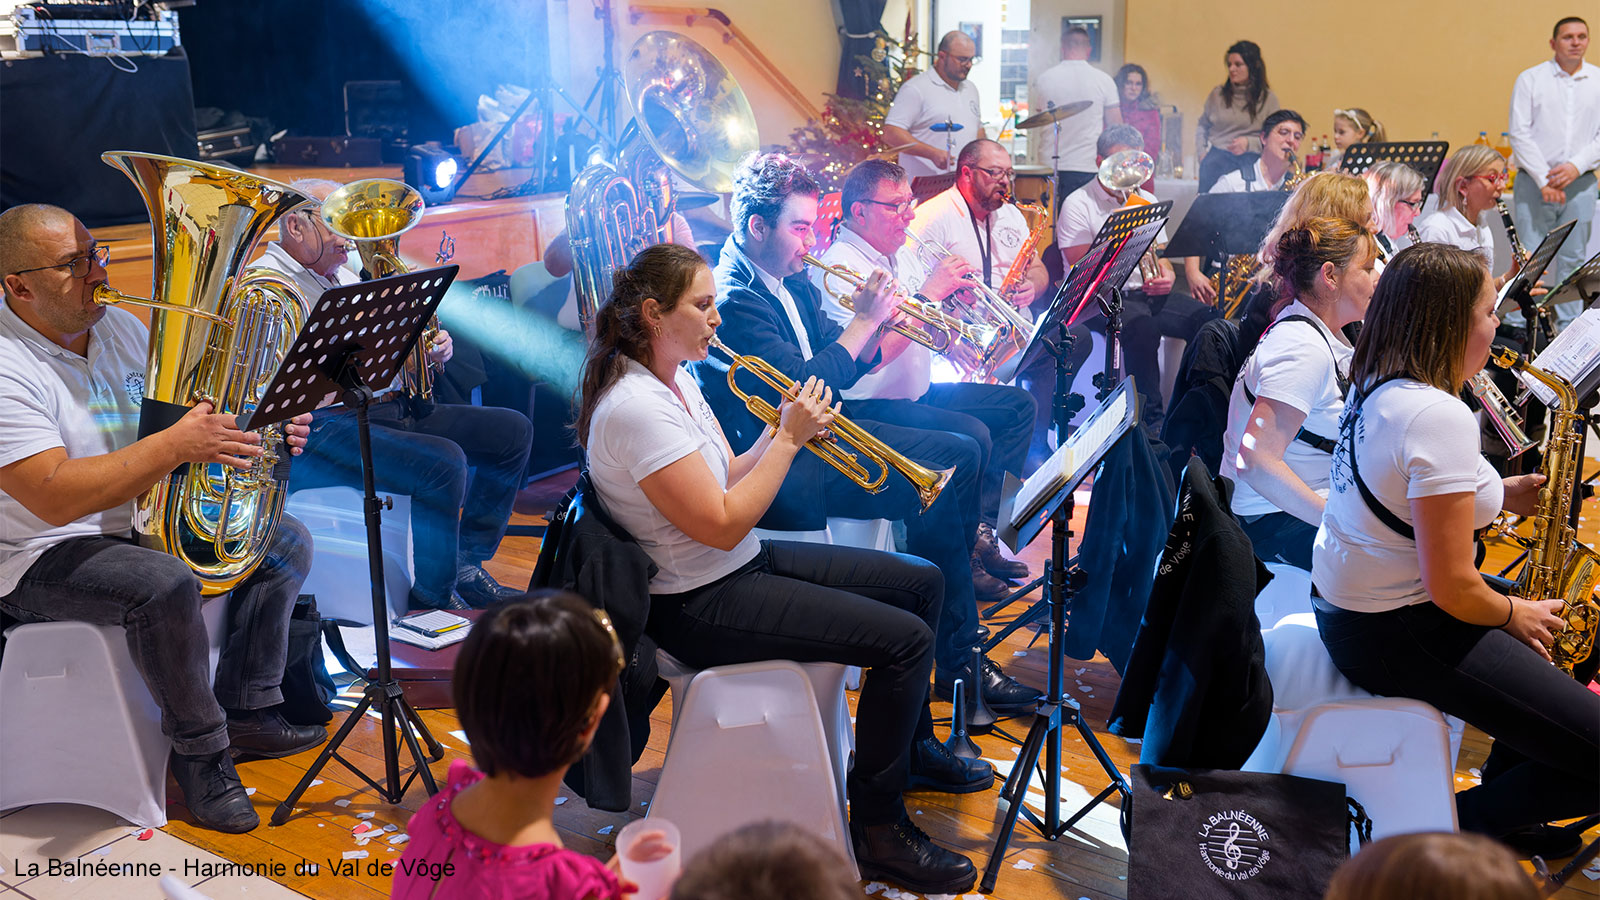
1396 191
1468 186
1353 126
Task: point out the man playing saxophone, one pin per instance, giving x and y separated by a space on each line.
877 207
71 465
770 311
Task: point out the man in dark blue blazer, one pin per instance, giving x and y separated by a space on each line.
771 311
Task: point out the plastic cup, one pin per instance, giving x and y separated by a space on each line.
650 854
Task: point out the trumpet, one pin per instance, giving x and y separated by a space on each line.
927 482
942 330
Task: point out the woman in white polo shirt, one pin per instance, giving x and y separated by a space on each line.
1402 609
1283 415
1467 187
664 471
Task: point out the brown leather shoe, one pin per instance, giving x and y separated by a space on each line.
993 560
987 587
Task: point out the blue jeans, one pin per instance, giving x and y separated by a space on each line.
156 599
820 603
456 517
1497 684
1281 538
1535 218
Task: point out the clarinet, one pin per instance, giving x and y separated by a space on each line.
1519 253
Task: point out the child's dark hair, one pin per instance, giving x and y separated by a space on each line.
767 859
527 679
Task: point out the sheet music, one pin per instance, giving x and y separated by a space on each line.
1574 355
1085 444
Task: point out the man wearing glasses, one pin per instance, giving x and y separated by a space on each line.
1071 149
938 111
71 465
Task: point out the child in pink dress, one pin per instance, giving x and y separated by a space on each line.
531 683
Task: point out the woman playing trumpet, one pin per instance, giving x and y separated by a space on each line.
662 467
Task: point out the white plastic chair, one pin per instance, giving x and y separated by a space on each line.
1395 756
1288 593
755 741
338 575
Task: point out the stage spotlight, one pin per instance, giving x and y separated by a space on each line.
432 171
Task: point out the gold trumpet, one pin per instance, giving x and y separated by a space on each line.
942 331
927 482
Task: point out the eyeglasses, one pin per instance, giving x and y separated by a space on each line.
900 208
1492 177
997 173
78 266
965 60
1416 206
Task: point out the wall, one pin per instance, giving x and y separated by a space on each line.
1416 70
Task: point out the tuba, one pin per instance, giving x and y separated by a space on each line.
690 117
927 482
1121 173
373 213
1558 567
218 332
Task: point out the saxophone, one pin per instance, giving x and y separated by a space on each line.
1559 567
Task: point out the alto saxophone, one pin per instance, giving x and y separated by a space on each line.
1559 567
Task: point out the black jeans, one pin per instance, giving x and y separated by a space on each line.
1217 163
819 603
944 535
1495 683
998 417
455 519
1281 538
156 599
1145 321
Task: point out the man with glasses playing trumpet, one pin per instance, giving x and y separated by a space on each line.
877 208
770 311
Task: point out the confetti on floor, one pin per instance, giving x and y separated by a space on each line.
316 781
249 792
341 803
1022 864
560 800
399 838
364 815
605 830
356 854
146 834
1019 653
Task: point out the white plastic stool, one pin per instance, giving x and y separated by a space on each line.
79 724
1395 756
868 534
1288 593
755 741
338 575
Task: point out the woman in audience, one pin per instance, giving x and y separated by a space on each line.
533 678
1396 191
1139 109
1284 411
1399 600
1432 866
1467 187
1230 125
1353 126
663 469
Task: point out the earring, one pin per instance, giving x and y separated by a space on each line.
655 330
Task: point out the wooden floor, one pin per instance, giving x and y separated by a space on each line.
1091 862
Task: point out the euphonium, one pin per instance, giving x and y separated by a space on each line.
927 482
1121 173
218 332
373 213
1558 567
1005 328
942 330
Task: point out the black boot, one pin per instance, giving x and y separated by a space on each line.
213 792
935 768
479 588
1000 690
420 599
267 734
903 854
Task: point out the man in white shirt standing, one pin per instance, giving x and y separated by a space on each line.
943 97
1555 141
1070 81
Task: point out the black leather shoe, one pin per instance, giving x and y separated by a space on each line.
213 792
266 733
994 562
903 854
1544 841
935 768
479 588
417 599
1000 691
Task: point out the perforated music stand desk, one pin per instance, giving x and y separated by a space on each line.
1424 156
1124 221
1226 224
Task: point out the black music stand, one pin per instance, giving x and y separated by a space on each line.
1047 497
1424 156
1519 288
1124 221
1221 225
357 336
1582 285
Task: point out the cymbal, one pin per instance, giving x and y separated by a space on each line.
1049 116
890 151
687 200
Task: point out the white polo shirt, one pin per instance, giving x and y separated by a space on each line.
927 99
1555 118
1234 183
946 221
639 427
51 397
1070 81
908 375
1449 226
1085 211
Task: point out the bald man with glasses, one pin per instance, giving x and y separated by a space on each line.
940 97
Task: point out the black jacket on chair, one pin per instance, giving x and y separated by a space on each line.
1198 416
586 552
755 324
1196 687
